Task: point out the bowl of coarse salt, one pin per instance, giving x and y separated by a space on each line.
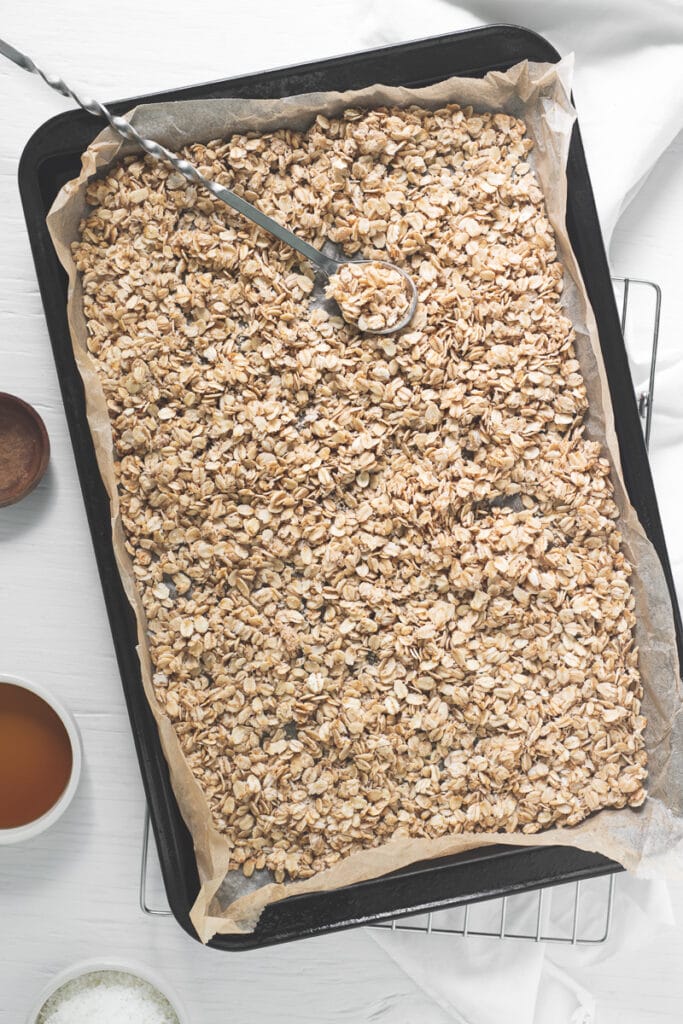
108 992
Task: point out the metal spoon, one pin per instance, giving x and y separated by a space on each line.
327 265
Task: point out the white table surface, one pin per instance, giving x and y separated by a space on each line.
72 893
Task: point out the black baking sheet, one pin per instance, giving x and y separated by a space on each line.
51 158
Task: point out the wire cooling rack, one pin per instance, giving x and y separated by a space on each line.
576 913
641 306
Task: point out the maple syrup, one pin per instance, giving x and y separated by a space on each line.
35 756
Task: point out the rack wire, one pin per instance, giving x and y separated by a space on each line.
557 914
637 315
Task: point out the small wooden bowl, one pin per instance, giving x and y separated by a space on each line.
24 449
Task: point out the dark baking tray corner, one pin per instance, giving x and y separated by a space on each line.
51 158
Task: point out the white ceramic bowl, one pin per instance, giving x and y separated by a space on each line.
34 828
91 966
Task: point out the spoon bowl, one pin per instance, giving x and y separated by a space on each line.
409 284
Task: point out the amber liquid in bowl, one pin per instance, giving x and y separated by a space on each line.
35 756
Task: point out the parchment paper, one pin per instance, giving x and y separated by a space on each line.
648 840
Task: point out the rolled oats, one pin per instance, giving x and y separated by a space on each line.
373 295
383 577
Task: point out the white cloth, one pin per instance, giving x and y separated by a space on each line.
486 981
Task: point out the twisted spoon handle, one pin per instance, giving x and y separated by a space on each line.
159 152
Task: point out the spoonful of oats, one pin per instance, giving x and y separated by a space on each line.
376 297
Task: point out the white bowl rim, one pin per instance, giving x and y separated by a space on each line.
85 967
34 828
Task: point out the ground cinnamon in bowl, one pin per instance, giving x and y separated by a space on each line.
24 449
